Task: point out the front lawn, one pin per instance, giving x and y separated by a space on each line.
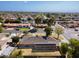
23 29
20 52
61 37
14 53
28 52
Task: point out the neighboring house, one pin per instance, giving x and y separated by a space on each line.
10 25
40 46
40 25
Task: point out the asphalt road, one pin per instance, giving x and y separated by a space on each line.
71 33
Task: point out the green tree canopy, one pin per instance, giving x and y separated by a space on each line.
51 21
74 42
1 20
64 48
38 19
15 39
48 31
72 48
59 30
1 29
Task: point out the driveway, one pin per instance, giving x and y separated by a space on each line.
7 51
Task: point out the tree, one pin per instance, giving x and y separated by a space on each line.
73 42
64 49
1 20
38 19
51 21
19 18
76 53
74 45
48 15
58 30
63 15
48 31
72 48
1 29
15 39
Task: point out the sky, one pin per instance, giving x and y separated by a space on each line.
40 6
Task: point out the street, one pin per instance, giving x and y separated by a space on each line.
70 33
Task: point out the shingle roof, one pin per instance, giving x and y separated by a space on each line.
39 40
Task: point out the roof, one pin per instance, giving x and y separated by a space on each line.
11 31
15 24
39 40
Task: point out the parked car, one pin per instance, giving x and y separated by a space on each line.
76 29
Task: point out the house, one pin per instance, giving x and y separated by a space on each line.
40 46
14 25
40 25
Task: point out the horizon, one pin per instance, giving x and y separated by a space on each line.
40 6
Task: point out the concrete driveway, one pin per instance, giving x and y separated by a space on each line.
7 51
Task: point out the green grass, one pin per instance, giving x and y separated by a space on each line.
23 29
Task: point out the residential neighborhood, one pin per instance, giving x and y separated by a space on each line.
39 34
36 37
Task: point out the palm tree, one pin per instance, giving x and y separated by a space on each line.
59 30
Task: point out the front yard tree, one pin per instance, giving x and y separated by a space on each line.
73 42
71 49
64 49
59 30
15 39
48 31
74 45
